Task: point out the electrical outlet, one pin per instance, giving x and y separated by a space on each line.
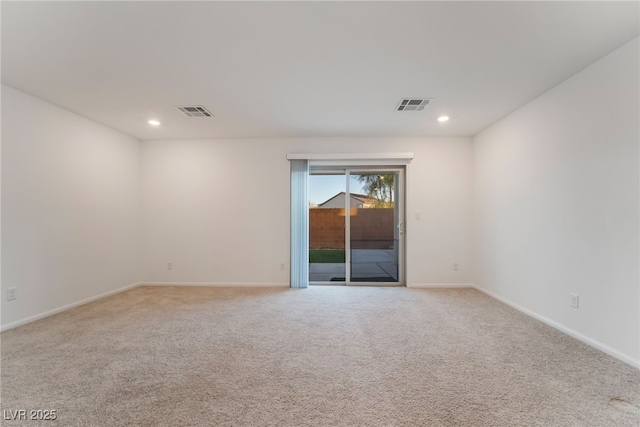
455 266
282 266
417 216
12 293
169 266
575 300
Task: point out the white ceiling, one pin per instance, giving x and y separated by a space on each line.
285 69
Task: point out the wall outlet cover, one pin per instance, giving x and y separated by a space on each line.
575 300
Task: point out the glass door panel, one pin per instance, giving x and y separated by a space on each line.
375 227
327 228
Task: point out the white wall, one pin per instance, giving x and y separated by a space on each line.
70 207
556 205
218 210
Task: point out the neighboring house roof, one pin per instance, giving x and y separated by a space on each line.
359 197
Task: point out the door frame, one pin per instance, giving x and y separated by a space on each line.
399 223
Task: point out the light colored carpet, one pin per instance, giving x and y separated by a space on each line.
325 356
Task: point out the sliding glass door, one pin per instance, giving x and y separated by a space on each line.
356 226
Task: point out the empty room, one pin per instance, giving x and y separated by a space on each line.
320 213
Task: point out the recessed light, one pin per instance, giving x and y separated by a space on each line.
443 118
154 122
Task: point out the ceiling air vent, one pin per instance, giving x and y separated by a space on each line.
413 104
195 111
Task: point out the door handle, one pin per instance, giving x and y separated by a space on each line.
399 227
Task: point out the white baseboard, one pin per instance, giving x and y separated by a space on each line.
65 307
440 285
577 335
219 284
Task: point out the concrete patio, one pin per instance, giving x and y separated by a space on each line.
375 265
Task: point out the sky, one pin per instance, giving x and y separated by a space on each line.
324 187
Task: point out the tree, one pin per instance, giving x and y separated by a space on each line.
379 187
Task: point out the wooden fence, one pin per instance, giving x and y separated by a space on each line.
370 228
